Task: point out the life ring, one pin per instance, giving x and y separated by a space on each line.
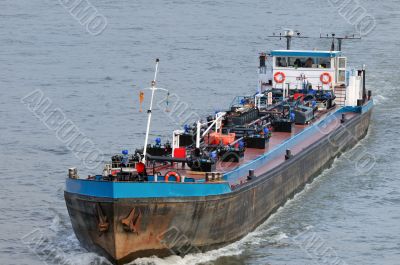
172 173
140 167
325 78
279 77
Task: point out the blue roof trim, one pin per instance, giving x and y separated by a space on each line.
325 54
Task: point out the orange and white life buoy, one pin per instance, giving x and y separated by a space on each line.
279 77
172 173
325 78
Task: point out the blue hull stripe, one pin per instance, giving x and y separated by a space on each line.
118 190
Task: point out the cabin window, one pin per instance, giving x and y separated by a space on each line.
324 62
341 70
303 62
341 76
297 62
281 62
342 62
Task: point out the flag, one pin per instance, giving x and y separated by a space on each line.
141 99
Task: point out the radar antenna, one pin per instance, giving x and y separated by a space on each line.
288 34
339 39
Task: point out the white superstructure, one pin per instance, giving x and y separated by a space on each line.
309 69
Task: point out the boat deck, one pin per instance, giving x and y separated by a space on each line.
251 154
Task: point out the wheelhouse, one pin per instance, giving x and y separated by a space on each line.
321 68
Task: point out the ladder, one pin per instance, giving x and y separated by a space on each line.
340 93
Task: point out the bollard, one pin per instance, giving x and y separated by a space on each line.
251 174
343 119
288 154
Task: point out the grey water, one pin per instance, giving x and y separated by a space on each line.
208 54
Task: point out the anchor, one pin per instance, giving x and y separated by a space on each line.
103 224
132 221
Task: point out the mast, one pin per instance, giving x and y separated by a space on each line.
153 88
339 40
288 34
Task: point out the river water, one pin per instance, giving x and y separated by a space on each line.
208 52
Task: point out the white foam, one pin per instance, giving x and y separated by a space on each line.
280 237
260 235
55 224
379 99
88 259
196 258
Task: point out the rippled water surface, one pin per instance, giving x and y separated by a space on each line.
208 52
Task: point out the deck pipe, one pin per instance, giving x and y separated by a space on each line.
165 159
260 119
236 141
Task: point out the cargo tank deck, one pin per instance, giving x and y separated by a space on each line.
251 154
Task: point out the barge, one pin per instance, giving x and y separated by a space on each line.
219 178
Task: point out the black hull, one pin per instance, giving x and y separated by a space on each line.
124 229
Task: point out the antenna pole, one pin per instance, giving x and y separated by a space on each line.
339 40
153 88
288 34
288 42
